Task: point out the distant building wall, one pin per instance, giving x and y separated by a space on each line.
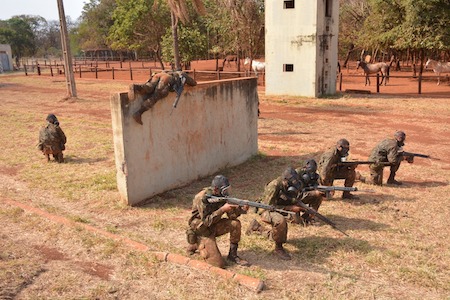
301 47
6 57
215 125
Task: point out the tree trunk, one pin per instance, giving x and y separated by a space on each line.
176 51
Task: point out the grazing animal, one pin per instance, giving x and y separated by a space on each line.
438 67
257 66
381 67
228 59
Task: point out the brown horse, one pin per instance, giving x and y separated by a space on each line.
381 67
228 59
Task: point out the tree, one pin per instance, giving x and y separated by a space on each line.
179 12
19 34
137 26
192 45
247 25
95 23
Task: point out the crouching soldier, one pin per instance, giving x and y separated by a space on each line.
206 223
52 139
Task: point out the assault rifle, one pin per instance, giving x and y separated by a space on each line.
241 202
313 212
325 188
364 162
410 154
178 87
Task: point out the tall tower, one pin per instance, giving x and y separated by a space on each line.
301 47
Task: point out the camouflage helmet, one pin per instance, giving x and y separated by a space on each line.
221 183
400 135
292 178
310 166
51 118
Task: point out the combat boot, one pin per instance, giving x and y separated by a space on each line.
375 180
360 177
348 195
254 228
281 252
391 180
137 116
191 249
233 257
136 90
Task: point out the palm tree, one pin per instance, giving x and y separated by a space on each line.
179 12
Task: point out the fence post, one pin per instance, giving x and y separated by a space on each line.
39 69
51 70
340 81
112 69
96 73
80 71
131 71
420 83
194 74
378 82
25 69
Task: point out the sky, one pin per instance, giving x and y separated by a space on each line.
48 9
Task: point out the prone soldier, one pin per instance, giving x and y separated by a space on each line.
158 87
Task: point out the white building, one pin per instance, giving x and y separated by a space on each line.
301 47
6 57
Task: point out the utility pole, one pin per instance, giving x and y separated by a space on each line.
68 69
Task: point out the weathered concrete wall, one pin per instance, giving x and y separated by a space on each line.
214 125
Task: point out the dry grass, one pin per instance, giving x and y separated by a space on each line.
398 246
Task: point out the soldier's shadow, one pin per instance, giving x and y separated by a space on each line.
345 224
309 254
429 183
72 159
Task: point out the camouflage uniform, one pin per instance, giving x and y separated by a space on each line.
206 223
313 198
52 140
158 87
276 194
329 170
386 151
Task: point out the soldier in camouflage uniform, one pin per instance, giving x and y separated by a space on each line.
158 87
206 223
282 193
388 151
329 170
310 178
52 139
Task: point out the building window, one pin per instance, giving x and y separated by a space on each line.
288 68
328 8
288 4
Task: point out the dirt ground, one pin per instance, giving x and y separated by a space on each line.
398 246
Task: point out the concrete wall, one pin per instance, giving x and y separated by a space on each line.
215 125
306 38
6 57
